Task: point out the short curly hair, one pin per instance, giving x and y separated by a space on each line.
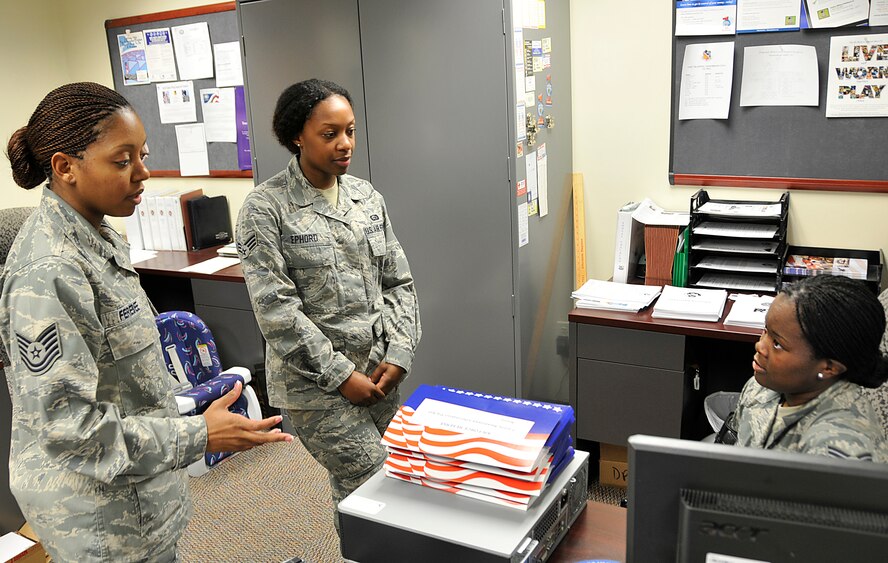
294 107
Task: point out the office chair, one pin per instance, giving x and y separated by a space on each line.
189 352
11 517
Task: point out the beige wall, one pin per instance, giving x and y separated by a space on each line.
621 138
621 133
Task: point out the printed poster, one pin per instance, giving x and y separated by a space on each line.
132 58
858 76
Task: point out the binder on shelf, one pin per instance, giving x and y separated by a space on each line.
210 221
178 208
134 230
145 223
629 244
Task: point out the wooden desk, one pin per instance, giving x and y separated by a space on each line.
598 533
632 374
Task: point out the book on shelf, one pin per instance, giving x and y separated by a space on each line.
749 310
690 303
807 265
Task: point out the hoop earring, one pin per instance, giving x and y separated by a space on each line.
820 376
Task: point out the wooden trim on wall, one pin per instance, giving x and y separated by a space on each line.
171 14
823 184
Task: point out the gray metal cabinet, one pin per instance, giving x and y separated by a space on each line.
627 382
434 85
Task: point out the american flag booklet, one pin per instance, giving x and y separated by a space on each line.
497 449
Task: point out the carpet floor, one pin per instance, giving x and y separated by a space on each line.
271 504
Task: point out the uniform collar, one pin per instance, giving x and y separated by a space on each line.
82 233
304 193
779 426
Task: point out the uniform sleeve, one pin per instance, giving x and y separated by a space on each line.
400 313
276 303
844 435
55 337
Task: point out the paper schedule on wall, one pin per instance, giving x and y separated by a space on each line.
193 158
159 53
193 51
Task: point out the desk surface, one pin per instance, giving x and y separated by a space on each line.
598 533
169 262
643 321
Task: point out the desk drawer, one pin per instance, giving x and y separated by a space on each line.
628 346
232 295
615 401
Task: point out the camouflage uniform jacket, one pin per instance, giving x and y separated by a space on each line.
839 422
98 445
331 287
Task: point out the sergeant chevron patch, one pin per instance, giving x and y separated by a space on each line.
40 354
248 244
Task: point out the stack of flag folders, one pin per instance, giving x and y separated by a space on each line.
612 296
495 449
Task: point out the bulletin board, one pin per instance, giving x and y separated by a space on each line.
164 160
777 147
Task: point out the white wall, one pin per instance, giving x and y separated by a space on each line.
621 133
621 137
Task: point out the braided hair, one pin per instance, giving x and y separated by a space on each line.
67 120
842 320
294 107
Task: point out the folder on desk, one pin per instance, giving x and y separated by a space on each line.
210 221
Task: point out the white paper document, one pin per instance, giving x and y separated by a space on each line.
705 17
649 213
193 157
613 296
741 209
212 265
736 230
175 101
749 310
543 179
133 61
738 264
523 231
530 170
878 12
193 50
707 74
779 75
217 105
737 282
835 13
735 245
858 76
690 303
229 71
159 52
755 16
139 255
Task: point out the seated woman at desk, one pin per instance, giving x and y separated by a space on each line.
819 349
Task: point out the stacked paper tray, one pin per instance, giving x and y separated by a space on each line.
496 449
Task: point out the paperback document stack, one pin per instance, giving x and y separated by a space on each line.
611 296
690 303
749 310
495 449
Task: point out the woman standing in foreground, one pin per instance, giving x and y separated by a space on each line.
98 447
331 288
819 349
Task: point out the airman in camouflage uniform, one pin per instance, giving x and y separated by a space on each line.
333 294
98 448
840 422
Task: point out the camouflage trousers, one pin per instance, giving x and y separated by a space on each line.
346 442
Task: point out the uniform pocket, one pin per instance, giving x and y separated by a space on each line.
138 361
312 269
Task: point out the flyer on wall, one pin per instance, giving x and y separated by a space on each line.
858 76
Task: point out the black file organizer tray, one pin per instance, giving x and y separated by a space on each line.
759 282
874 262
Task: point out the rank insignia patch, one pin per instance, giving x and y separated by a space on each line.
248 245
40 354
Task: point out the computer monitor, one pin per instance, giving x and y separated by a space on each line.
710 503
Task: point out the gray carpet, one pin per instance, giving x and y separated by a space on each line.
268 504
273 503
